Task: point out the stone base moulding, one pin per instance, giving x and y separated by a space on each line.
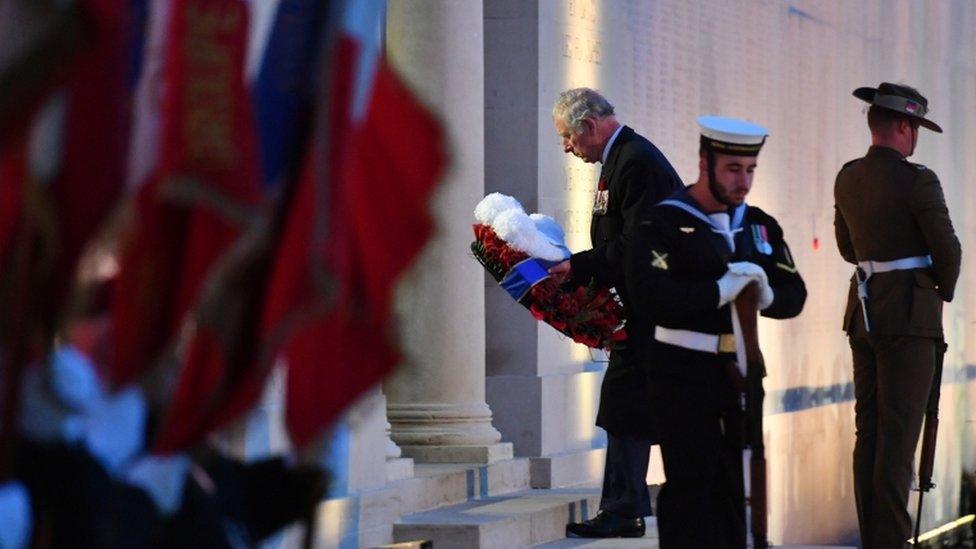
482 455
447 433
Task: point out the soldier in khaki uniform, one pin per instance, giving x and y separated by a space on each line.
892 222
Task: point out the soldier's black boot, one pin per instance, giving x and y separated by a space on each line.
606 525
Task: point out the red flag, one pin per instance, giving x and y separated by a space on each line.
200 226
13 174
204 194
56 193
92 172
356 219
59 194
378 221
324 285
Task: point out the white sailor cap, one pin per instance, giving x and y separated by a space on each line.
732 136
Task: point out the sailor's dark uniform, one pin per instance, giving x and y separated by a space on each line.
675 259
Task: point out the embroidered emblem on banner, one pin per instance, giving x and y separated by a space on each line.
660 261
601 198
687 230
760 237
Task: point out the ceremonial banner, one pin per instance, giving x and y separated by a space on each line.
346 243
192 215
353 221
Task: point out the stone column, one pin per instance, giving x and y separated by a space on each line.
436 402
544 388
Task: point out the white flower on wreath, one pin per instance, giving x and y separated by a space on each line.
494 205
537 235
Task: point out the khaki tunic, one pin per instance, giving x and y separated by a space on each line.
887 208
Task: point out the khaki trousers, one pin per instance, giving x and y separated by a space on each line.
892 381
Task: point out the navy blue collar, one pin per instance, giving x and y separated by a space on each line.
682 200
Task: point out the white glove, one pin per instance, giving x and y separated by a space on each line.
756 273
748 269
730 285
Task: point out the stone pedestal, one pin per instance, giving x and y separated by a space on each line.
436 406
543 388
397 466
366 422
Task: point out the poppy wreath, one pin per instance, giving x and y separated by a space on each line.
516 249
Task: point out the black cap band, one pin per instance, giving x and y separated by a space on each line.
733 149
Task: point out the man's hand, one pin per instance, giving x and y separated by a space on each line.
560 271
730 285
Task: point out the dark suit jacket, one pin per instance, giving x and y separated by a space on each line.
888 208
637 176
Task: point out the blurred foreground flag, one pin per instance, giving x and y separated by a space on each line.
202 195
350 222
356 221
64 104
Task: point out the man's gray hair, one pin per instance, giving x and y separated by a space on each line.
572 106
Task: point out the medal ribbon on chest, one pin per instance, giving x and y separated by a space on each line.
601 198
760 237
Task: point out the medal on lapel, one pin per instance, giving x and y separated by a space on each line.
760 237
601 198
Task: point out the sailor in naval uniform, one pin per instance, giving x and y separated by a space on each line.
891 221
686 264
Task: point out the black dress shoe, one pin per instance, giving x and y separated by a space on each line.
605 525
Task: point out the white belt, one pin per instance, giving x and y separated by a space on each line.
917 262
696 341
865 269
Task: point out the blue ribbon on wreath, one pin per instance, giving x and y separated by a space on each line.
524 275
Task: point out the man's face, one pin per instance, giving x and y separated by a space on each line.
733 178
584 144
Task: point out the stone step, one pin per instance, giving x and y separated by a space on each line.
520 519
649 541
366 518
569 469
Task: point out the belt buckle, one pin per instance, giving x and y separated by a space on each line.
726 343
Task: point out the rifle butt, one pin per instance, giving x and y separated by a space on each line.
927 460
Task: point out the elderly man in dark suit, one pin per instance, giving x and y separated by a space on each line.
892 222
635 176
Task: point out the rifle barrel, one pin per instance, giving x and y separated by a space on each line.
746 307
